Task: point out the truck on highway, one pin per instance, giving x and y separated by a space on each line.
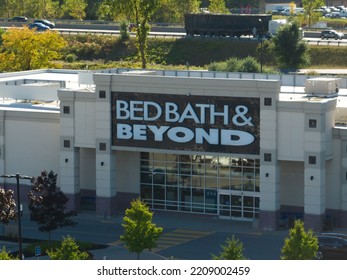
222 25
275 25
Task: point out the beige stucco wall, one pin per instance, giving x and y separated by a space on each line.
292 183
128 171
31 142
87 169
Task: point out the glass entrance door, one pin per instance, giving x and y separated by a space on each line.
236 205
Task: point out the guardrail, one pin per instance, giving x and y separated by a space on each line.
117 33
337 43
175 35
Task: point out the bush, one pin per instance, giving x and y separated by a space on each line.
233 65
232 250
248 64
4 255
124 35
71 57
300 244
69 250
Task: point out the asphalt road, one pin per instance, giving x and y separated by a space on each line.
185 236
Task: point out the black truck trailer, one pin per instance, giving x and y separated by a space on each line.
227 25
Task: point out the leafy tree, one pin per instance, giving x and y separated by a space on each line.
218 7
232 250
309 7
47 204
174 10
289 49
40 8
183 7
139 231
69 250
139 12
92 9
29 8
300 244
7 206
4 255
26 49
74 9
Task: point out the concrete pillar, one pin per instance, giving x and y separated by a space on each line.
317 148
269 166
69 155
105 178
314 194
105 158
342 218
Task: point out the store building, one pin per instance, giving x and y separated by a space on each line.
253 147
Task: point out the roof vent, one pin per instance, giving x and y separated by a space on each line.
322 87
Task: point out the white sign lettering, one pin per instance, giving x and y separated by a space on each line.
202 120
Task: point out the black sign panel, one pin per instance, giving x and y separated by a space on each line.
218 124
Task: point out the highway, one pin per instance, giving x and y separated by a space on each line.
312 38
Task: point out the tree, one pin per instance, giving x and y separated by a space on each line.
4 255
139 231
25 49
74 9
310 6
185 7
300 244
7 206
29 8
69 250
139 12
232 250
47 204
218 7
289 49
174 10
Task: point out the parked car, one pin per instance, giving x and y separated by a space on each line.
18 19
38 26
333 15
332 246
45 22
326 34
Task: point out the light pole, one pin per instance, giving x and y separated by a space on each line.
19 218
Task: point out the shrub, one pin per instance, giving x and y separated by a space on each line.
300 244
249 65
71 57
232 250
4 255
124 35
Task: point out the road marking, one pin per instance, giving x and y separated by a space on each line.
178 237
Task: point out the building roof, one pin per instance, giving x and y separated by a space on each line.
41 86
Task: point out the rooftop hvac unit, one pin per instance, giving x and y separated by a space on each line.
322 87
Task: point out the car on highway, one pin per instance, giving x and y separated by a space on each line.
38 26
45 22
18 19
332 246
331 34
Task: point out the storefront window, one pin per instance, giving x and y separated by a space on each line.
191 183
